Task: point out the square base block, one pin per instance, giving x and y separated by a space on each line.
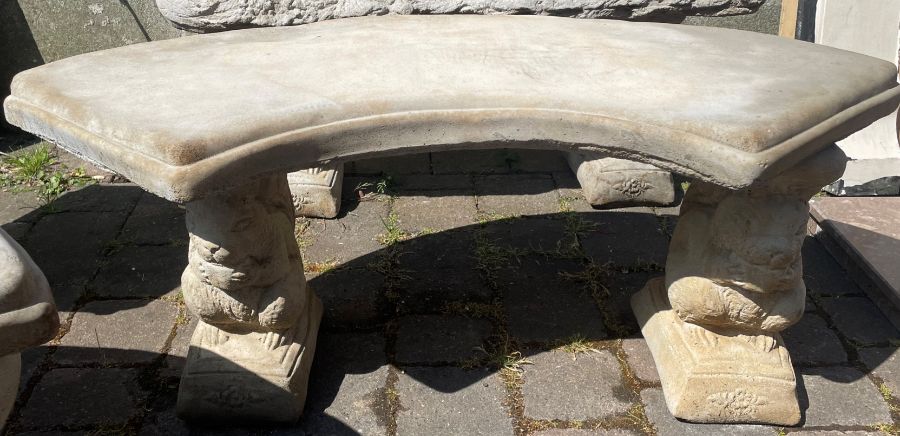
244 377
716 377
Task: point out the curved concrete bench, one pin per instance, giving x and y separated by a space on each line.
217 120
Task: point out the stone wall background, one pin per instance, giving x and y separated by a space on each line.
33 32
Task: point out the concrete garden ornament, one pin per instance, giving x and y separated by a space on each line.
27 316
757 142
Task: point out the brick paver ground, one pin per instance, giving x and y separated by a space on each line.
467 262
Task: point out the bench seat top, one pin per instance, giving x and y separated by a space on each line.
185 116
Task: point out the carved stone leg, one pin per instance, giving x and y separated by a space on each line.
733 282
251 353
317 191
611 182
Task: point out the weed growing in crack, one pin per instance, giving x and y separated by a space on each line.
576 344
393 232
39 171
369 190
491 257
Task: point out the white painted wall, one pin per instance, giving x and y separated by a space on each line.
869 27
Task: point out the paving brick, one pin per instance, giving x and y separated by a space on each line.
439 338
822 274
447 210
354 235
117 331
347 386
638 356
99 198
31 359
883 363
539 234
412 183
67 246
860 320
17 230
541 306
837 433
496 161
589 386
451 401
570 192
625 239
351 296
667 425
517 195
142 271
155 221
537 161
440 268
419 163
19 206
839 396
621 287
83 396
181 343
583 432
810 341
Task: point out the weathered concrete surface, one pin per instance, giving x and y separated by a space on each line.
519 99
229 14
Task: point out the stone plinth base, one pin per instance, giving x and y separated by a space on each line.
712 377
249 377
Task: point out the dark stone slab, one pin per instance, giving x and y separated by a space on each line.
347 386
638 356
67 246
19 206
439 338
142 271
810 341
537 161
17 230
419 163
449 400
516 195
542 306
419 213
625 239
155 221
427 182
117 331
438 269
859 320
839 396
667 425
496 161
353 235
561 386
824 276
621 287
351 296
83 396
883 363
544 235
31 360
